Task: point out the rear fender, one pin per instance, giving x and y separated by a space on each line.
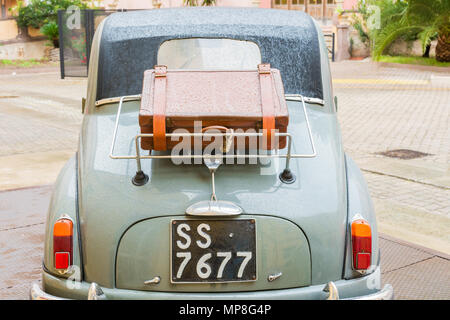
359 202
64 202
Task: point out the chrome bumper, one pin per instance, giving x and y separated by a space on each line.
387 293
36 293
96 293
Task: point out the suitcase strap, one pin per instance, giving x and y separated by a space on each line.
267 104
159 109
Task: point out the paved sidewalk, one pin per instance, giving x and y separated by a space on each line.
39 112
40 117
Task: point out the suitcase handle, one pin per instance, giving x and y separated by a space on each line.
221 128
228 138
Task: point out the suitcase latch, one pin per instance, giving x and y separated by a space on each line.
160 71
264 68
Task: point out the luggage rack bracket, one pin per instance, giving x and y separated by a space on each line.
141 178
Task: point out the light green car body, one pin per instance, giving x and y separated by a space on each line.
121 233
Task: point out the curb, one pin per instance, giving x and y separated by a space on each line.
8 70
26 188
415 246
413 67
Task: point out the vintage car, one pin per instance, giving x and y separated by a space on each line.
125 223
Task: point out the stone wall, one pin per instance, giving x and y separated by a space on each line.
358 48
412 48
23 50
20 43
398 48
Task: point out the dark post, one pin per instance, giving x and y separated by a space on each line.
89 16
332 52
61 42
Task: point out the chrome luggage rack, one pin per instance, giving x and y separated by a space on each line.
141 178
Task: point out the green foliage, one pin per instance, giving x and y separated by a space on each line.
350 49
430 19
389 34
7 62
40 12
50 30
407 19
194 3
414 60
20 63
363 35
391 12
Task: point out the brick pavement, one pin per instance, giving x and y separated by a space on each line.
415 273
383 109
394 109
40 116
39 112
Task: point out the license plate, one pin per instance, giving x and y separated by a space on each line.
213 251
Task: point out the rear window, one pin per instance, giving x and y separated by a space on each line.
209 54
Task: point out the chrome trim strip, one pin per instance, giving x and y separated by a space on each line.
298 97
117 99
217 208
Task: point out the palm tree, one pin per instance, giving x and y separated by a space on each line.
429 18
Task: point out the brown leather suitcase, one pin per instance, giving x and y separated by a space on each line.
173 99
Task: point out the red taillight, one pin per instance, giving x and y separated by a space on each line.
62 243
62 260
361 244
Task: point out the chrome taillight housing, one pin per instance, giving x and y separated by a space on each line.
361 244
63 243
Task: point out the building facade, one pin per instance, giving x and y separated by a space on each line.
28 43
319 9
5 5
